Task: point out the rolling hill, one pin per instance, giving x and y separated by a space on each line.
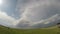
52 30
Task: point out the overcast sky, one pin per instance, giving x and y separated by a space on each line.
29 13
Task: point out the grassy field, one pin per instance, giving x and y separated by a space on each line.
5 30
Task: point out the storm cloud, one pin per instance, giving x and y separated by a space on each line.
37 13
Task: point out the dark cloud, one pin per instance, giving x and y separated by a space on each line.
38 10
37 13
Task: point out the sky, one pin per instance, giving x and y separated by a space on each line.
29 13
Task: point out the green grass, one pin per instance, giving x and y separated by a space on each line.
5 30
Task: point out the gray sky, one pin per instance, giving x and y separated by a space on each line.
29 13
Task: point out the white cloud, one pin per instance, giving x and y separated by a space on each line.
7 20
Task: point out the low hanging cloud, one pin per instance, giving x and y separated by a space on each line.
38 12
35 14
6 20
40 24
